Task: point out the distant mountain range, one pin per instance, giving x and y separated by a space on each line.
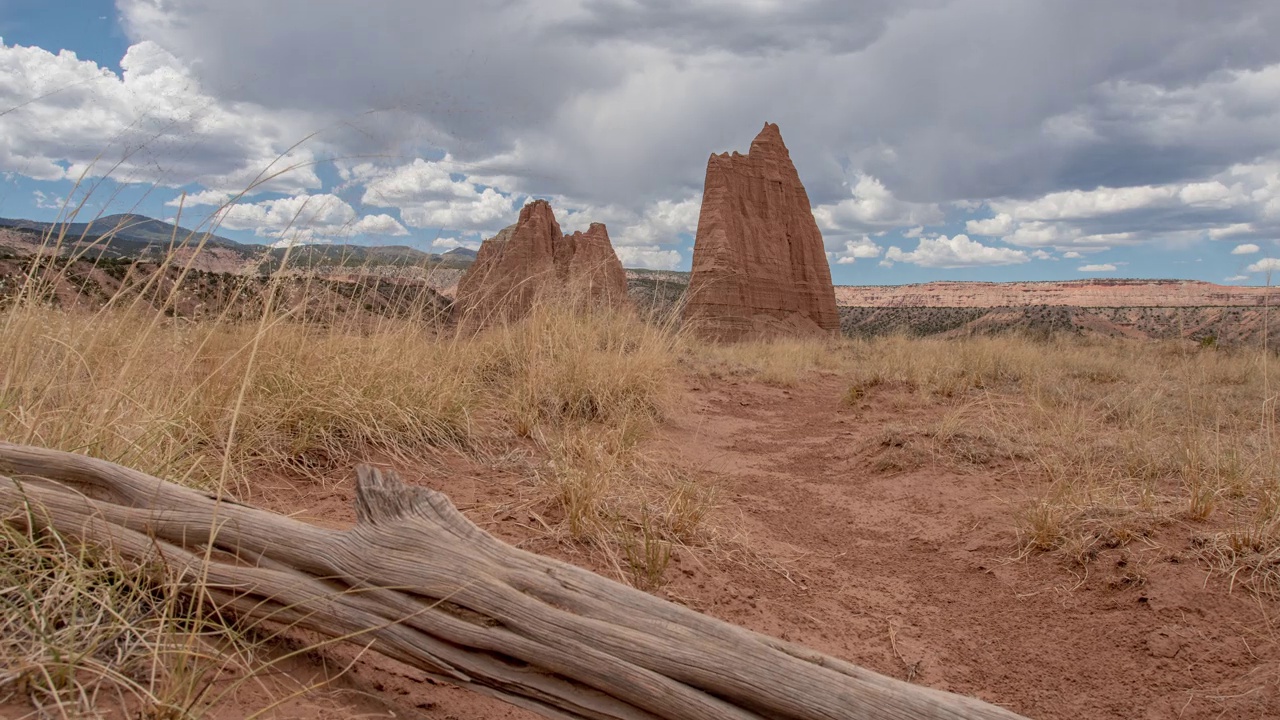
130 236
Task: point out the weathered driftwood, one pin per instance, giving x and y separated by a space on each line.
417 581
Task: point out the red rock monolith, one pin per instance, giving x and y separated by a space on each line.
527 260
759 266
590 261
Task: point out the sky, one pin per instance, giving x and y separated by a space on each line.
990 140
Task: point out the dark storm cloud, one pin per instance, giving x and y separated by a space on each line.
1155 223
475 73
620 102
835 26
978 98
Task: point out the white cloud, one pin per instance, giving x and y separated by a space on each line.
381 224
1083 204
449 243
487 211
1041 234
651 256
1042 255
306 218
1001 224
294 239
413 183
1264 265
661 223
434 194
1114 238
873 207
201 198
860 249
319 214
955 252
1212 193
1170 214
1038 234
154 123
48 202
658 223
1231 230
1237 278
1072 255
1246 249
1102 267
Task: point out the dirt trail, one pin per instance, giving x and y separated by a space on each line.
908 572
832 544
912 574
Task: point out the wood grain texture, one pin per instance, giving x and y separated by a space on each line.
418 582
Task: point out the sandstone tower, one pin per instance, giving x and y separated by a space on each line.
759 266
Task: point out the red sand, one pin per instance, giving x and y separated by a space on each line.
909 574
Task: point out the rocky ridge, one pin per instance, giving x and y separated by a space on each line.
533 257
1077 293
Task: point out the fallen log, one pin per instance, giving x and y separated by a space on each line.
417 581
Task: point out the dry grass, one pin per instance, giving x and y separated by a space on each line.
216 403
587 389
784 362
221 402
82 633
1115 439
1118 438
602 492
560 368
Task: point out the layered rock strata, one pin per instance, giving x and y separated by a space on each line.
759 266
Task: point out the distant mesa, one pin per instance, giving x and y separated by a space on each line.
138 237
533 259
759 266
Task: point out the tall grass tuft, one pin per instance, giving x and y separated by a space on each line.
263 380
1125 437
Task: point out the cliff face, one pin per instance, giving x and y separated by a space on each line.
759 266
1108 292
588 260
533 257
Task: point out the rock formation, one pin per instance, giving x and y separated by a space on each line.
588 259
759 266
1094 292
533 258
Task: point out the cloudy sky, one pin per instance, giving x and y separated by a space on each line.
938 139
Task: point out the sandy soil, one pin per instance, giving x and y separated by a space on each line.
912 574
